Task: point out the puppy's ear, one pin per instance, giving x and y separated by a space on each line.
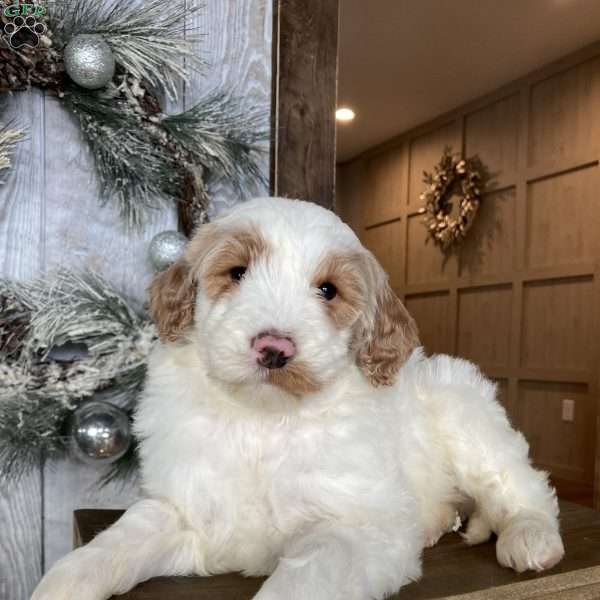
172 299
386 334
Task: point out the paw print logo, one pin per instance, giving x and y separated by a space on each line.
24 31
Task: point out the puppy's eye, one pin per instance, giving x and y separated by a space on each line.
328 290
237 273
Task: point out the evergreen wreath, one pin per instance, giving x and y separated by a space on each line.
138 54
109 342
451 176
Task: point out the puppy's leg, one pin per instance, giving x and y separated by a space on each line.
149 540
478 530
333 561
491 463
445 518
513 499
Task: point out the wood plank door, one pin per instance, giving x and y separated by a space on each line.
50 216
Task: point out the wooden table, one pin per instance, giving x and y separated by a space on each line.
450 569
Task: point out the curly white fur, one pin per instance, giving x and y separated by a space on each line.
334 494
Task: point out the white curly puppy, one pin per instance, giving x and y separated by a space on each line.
291 426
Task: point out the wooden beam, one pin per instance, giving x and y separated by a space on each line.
305 40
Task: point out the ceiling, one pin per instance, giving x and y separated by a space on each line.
403 62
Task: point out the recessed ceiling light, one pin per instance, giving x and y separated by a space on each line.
344 114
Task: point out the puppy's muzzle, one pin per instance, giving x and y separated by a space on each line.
273 350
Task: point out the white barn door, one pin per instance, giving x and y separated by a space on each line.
50 216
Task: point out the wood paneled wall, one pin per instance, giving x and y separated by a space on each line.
522 296
50 216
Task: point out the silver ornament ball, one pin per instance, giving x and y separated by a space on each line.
165 248
89 61
100 432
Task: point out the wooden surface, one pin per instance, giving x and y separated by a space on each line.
304 99
522 296
50 216
450 568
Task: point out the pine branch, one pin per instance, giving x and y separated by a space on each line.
225 137
71 308
144 158
14 323
30 429
134 171
9 137
147 40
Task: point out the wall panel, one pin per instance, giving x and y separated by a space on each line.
432 314
424 261
385 243
565 120
566 448
556 324
484 325
386 173
489 248
563 219
352 186
492 132
502 393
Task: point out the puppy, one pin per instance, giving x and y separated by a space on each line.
292 427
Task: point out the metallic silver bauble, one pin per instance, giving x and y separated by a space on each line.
165 248
100 432
89 61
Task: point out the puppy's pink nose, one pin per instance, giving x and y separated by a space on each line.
273 350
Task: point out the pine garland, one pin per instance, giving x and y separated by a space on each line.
40 391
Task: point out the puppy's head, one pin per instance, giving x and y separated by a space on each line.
281 292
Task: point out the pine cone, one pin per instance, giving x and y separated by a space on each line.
24 67
150 103
191 210
14 325
137 93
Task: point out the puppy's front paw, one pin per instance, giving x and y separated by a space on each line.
478 530
529 543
